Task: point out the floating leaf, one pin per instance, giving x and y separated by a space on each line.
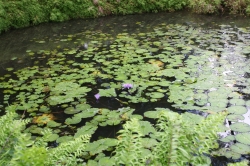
52 137
149 143
71 110
87 113
155 95
229 138
237 102
106 161
237 109
107 92
243 138
235 117
100 145
192 118
240 148
240 127
73 120
152 114
53 124
146 127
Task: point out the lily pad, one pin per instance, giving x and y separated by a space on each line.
243 138
107 92
237 109
229 138
71 110
237 102
100 145
240 148
235 117
73 120
87 113
152 114
104 161
52 137
149 142
155 95
53 124
240 127
146 127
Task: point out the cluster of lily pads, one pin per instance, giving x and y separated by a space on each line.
195 69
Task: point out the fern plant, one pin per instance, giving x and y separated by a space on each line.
129 150
18 149
10 135
178 141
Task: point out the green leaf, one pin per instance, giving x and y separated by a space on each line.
73 120
107 92
240 127
243 138
240 148
228 138
52 137
235 117
71 110
237 110
87 129
106 161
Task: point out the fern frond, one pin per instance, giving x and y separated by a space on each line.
182 144
129 149
209 126
10 134
172 148
67 152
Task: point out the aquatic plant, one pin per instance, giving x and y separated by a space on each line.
172 65
127 86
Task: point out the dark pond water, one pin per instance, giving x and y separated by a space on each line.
201 61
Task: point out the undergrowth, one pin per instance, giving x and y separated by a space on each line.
178 142
23 13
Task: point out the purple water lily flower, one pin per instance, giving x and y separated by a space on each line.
97 96
127 86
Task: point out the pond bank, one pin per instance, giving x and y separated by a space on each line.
19 14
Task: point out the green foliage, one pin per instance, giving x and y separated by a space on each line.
10 135
237 6
205 6
67 153
23 13
140 6
177 142
129 150
174 142
18 149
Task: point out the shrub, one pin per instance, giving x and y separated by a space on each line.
237 6
205 6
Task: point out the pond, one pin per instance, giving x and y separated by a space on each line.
91 76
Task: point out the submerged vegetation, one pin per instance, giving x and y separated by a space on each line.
23 13
77 103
